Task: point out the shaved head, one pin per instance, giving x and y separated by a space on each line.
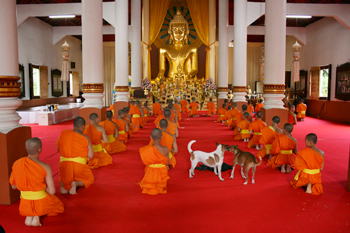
288 127
246 115
167 113
156 134
93 116
163 123
137 102
235 104
78 122
109 114
121 112
229 107
244 107
33 145
259 114
276 119
311 137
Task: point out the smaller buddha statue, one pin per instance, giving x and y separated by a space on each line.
230 95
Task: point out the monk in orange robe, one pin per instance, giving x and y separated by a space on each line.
259 105
111 108
226 104
157 109
228 116
97 133
178 109
211 107
268 135
255 128
172 127
122 127
286 103
34 180
284 148
222 115
292 119
113 145
146 112
250 108
237 116
137 115
183 104
193 107
128 119
75 148
169 141
156 159
174 116
242 129
301 110
310 163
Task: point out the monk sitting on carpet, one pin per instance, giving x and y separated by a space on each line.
178 109
123 128
183 104
226 104
146 112
193 108
236 116
168 140
242 129
228 116
96 133
137 115
157 109
156 159
113 145
284 148
211 107
259 105
75 148
250 107
268 135
221 113
255 129
309 162
128 119
34 180
292 119
172 128
301 110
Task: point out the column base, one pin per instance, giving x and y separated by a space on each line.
273 101
8 117
222 95
268 114
85 113
239 98
12 147
93 100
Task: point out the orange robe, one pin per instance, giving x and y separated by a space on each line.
28 175
157 109
167 140
158 119
228 116
308 159
131 128
244 133
101 157
183 104
301 110
136 120
73 145
211 108
291 120
178 110
113 145
250 109
111 108
222 116
171 128
193 106
256 126
122 135
237 117
268 135
156 172
145 116
282 149
258 106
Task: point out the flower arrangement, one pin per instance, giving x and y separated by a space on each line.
209 85
146 84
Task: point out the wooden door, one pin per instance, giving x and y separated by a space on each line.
75 83
44 82
314 83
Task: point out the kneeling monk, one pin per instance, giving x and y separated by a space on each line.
122 127
113 145
75 148
156 159
96 133
34 179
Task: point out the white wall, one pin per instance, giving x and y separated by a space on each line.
327 43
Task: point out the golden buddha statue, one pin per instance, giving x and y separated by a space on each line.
182 57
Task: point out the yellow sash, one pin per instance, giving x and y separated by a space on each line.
156 165
76 159
268 148
302 112
222 115
234 118
307 171
111 138
98 148
257 133
136 115
121 132
245 131
286 152
170 155
33 195
271 128
145 115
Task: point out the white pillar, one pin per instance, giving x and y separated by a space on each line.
223 49
240 50
9 72
92 53
275 53
145 37
136 44
212 38
121 50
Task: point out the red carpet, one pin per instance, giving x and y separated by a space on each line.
202 204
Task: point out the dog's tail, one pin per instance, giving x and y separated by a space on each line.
189 146
258 164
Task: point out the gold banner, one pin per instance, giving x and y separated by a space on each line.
92 87
274 88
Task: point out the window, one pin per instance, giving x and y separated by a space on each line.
36 82
325 82
70 84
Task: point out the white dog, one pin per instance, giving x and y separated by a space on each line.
212 159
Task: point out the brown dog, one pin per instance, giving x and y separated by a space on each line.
246 159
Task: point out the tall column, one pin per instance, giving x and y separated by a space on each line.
223 51
12 135
92 53
145 37
275 53
121 54
136 44
212 38
240 51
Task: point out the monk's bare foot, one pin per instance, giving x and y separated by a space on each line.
283 168
36 222
308 188
73 189
28 221
62 189
288 169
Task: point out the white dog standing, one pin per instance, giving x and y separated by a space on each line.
212 159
